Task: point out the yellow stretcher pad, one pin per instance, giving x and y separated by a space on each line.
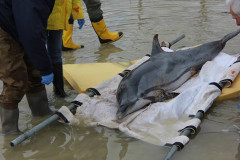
87 75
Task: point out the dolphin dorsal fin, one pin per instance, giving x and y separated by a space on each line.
156 48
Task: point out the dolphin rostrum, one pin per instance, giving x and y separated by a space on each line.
157 78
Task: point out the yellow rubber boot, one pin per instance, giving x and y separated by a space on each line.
67 40
103 33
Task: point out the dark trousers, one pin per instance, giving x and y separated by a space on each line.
93 8
54 45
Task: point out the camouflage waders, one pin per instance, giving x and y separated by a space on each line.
16 72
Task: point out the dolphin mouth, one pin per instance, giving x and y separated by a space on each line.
123 110
121 114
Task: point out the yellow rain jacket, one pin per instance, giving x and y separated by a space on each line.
58 19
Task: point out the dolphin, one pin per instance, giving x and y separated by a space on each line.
157 78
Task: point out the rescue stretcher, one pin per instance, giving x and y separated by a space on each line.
82 77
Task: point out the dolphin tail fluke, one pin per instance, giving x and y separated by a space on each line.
230 36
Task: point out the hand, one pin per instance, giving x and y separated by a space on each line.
165 44
47 79
81 23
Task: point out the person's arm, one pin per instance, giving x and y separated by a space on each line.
31 22
77 10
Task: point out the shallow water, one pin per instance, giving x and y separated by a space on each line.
201 21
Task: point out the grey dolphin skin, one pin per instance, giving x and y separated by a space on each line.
157 78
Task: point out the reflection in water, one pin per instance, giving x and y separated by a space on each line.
237 127
93 145
238 152
139 14
118 145
203 17
6 151
124 142
62 142
201 20
124 146
105 50
124 150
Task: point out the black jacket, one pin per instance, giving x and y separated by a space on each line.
26 22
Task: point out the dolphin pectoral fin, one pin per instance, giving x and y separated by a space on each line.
156 48
167 96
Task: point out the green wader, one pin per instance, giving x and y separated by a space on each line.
19 77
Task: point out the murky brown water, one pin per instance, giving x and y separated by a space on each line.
201 21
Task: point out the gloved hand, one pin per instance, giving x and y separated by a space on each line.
47 79
81 23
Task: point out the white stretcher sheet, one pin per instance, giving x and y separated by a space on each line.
158 123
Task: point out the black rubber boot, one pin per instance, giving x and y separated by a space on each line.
38 103
58 85
9 121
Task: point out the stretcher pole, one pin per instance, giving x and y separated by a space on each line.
187 132
169 44
38 127
176 40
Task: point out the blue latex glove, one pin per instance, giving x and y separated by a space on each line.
81 23
47 79
238 105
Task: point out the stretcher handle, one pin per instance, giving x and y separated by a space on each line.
38 127
187 132
176 40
